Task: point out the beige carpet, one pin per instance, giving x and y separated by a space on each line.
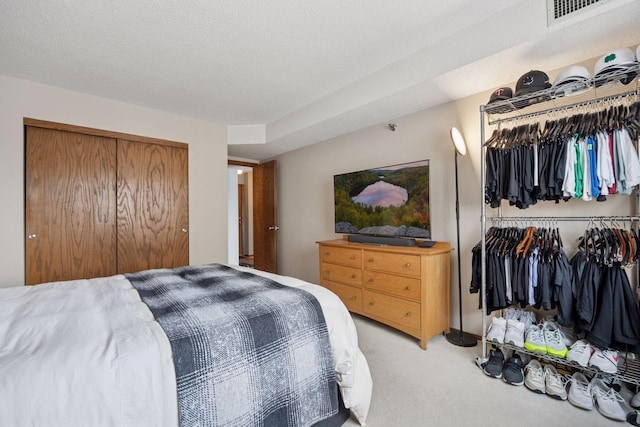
443 387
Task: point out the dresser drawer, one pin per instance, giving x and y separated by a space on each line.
397 310
343 256
351 297
401 286
341 274
392 263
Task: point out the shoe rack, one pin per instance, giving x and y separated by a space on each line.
603 90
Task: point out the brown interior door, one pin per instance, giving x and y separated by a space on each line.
241 250
265 228
70 206
153 206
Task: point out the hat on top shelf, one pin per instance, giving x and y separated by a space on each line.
533 81
501 94
571 81
618 60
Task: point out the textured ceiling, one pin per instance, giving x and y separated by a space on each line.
307 70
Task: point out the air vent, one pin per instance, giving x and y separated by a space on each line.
558 9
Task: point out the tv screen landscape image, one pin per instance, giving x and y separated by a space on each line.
388 201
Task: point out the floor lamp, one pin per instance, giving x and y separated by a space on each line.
459 338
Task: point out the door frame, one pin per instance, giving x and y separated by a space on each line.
267 262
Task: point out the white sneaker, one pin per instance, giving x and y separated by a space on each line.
608 400
515 333
528 318
580 391
534 378
512 313
497 330
580 352
605 360
554 383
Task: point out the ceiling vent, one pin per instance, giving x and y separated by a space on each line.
560 9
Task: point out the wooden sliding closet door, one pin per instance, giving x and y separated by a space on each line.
70 205
153 206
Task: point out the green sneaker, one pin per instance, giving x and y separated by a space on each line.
554 340
535 340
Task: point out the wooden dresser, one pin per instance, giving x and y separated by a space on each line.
406 288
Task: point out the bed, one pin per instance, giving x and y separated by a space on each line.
91 352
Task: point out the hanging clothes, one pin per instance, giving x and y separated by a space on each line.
525 266
586 156
607 313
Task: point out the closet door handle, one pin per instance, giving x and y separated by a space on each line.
184 230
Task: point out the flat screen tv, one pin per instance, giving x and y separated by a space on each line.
390 201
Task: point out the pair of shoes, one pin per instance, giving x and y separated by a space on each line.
605 360
497 330
546 339
555 383
511 328
580 352
584 354
580 391
517 323
545 380
524 316
513 372
609 402
495 364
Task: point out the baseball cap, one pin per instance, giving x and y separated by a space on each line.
501 94
571 81
533 81
616 60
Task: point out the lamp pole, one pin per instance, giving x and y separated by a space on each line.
459 338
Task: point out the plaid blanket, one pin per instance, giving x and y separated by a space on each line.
247 351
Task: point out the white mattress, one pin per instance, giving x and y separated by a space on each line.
88 352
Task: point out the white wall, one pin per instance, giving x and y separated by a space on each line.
207 162
305 191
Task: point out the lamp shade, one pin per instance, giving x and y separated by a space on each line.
458 141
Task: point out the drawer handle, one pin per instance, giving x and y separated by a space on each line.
408 265
353 276
370 302
371 259
408 314
353 298
353 257
407 288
